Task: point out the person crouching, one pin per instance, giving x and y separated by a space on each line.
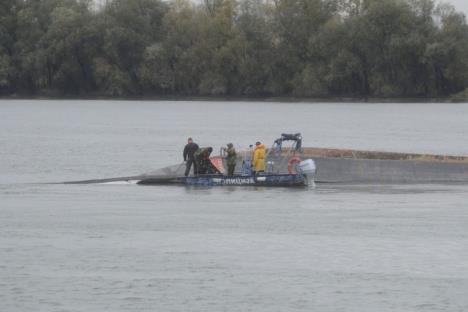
202 160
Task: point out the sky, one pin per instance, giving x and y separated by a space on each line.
460 5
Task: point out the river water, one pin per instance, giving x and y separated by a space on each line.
142 248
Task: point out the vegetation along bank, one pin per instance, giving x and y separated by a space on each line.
297 48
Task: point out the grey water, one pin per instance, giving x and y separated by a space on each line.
120 247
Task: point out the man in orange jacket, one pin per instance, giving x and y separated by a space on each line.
258 159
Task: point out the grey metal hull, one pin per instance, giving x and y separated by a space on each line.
354 166
349 166
345 170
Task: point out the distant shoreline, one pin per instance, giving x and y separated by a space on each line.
285 99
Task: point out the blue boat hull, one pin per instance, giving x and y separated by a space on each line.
282 180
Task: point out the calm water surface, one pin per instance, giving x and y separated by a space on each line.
135 248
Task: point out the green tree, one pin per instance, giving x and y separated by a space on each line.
387 48
298 24
128 28
68 48
447 55
8 13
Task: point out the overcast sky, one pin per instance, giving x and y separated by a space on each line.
461 5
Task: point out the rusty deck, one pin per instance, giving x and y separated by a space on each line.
358 154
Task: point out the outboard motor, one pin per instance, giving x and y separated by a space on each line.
308 168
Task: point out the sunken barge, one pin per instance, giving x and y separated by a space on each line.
299 166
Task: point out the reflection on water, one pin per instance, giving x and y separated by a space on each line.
171 248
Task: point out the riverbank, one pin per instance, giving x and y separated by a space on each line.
460 98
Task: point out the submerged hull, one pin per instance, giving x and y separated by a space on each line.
333 166
277 180
352 166
348 170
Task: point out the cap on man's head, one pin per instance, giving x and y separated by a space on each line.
258 143
230 145
189 139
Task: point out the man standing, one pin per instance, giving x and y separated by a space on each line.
189 158
231 159
259 158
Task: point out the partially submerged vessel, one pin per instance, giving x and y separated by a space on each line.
368 167
297 172
321 165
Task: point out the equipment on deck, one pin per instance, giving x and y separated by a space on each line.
296 138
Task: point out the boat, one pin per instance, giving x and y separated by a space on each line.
298 173
270 180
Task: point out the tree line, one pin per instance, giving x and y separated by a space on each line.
302 48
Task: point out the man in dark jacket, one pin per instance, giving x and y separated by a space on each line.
189 157
202 160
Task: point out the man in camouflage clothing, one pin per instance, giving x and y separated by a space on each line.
231 159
